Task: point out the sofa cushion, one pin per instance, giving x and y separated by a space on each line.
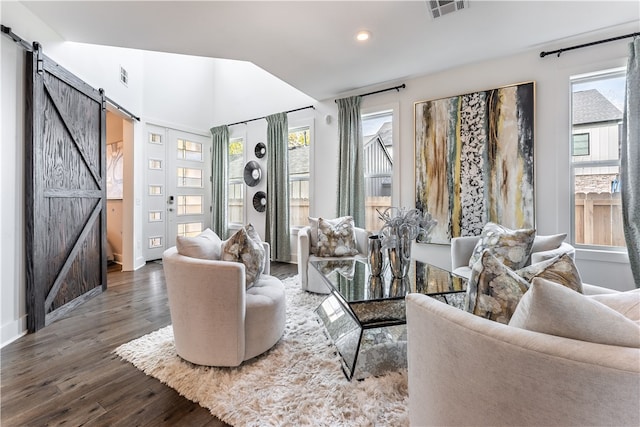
551 308
242 248
206 245
560 269
512 247
626 303
337 237
493 289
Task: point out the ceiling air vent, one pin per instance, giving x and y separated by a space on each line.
439 8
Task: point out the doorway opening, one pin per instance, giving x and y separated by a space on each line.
119 170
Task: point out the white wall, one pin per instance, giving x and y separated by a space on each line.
553 185
170 90
162 92
12 268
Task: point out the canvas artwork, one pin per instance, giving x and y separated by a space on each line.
114 170
474 160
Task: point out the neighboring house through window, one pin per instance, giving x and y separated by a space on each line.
299 151
377 131
595 159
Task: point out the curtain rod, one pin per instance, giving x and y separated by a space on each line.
260 118
396 88
559 51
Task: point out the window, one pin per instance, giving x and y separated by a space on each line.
235 189
155 164
155 190
189 229
377 131
189 205
155 138
155 216
188 150
597 105
580 144
299 149
190 177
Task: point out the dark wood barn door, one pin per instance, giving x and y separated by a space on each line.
65 191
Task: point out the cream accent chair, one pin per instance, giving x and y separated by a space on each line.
465 370
310 279
216 320
462 249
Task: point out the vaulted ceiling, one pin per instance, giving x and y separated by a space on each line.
311 44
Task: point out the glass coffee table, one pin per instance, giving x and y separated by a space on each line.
365 315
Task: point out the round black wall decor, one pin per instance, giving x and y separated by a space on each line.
252 173
260 201
260 150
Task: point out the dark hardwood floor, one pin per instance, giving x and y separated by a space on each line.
66 373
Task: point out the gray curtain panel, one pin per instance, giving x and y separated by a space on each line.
219 172
351 195
277 230
630 160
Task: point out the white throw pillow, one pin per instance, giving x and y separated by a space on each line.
554 309
206 245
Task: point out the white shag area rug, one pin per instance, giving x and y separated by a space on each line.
298 382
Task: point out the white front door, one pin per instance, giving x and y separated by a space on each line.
178 187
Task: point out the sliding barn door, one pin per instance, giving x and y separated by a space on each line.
65 191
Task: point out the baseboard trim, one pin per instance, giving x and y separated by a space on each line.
13 330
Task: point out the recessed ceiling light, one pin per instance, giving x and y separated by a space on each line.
363 35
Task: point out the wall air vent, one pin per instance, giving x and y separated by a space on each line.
124 76
439 8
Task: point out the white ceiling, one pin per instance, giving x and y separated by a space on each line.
311 44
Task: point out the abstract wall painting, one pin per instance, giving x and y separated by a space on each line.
474 160
115 158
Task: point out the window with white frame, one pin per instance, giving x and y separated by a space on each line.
596 111
377 139
235 184
299 151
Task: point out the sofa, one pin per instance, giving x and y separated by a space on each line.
467 370
544 248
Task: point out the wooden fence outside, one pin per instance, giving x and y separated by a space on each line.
598 219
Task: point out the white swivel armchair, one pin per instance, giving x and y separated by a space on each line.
216 320
310 279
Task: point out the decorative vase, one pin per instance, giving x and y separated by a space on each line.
375 255
399 287
400 257
376 285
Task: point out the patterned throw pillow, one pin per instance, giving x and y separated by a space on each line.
512 247
251 231
206 245
242 248
336 237
560 269
493 289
